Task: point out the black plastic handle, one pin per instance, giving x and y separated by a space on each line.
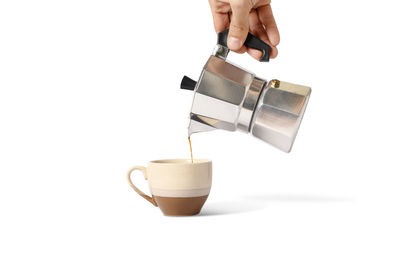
251 42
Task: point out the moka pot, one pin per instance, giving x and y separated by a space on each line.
230 98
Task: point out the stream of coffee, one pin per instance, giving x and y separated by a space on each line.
190 145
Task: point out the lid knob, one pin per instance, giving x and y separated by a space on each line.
188 83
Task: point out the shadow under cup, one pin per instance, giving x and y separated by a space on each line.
178 186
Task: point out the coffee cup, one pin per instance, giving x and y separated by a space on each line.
179 187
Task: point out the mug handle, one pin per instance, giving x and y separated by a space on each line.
143 170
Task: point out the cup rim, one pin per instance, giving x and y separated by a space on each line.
180 161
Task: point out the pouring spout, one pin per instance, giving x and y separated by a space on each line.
200 123
196 127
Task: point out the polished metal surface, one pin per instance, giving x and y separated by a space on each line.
279 113
230 98
221 51
220 94
249 104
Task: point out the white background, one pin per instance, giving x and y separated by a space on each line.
90 88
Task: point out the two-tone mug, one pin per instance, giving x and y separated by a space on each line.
178 186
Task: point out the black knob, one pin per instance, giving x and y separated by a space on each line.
188 83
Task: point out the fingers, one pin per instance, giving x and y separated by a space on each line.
242 50
257 29
257 54
239 26
240 21
221 20
267 19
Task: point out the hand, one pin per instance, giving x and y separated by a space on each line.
242 16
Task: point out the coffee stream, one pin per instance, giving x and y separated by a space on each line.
190 145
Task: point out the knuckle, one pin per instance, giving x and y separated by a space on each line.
253 2
237 28
239 4
258 28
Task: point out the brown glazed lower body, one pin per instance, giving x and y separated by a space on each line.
172 206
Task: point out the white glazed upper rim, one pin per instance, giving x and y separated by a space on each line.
181 161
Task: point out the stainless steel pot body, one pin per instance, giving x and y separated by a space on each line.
230 98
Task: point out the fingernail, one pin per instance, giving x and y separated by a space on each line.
234 43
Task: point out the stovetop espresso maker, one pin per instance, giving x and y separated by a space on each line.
231 98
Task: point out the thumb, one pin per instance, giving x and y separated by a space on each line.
239 26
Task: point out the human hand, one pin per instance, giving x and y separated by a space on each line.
242 16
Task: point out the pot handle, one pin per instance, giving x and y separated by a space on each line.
251 42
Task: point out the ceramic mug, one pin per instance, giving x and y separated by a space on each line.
178 186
